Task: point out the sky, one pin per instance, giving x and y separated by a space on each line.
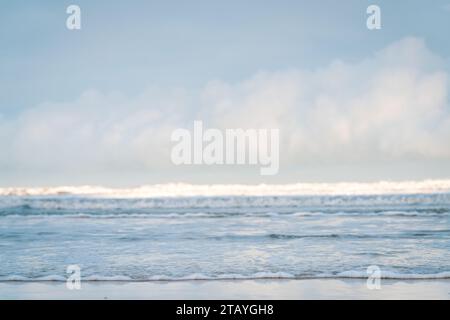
98 105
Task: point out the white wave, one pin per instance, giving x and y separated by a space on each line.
352 274
119 278
52 278
188 190
107 278
393 275
37 279
15 278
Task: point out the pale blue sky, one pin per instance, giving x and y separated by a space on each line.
125 47
128 45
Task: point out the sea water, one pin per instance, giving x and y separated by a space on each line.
179 231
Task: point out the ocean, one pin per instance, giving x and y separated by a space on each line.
181 232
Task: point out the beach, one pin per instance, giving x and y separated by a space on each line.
233 244
248 150
231 289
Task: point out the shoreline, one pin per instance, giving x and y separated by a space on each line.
289 289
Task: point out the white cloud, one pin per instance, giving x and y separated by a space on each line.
391 106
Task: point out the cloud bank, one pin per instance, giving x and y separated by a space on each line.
393 106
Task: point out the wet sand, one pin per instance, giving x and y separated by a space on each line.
231 289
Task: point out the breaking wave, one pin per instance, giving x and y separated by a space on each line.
352 274
188 190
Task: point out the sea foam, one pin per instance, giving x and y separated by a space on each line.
184 189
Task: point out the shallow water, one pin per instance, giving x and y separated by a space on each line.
192 237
